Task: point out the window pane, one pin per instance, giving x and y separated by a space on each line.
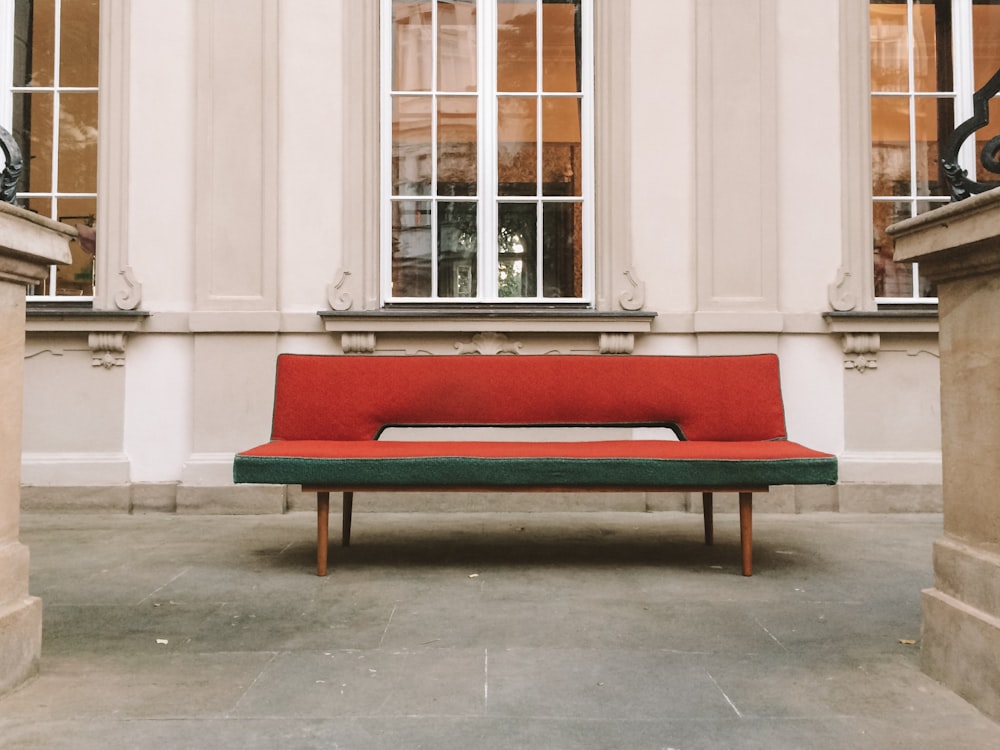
985 40
411 248
413 44
890 145
891 279
562 249
456 146
77 279
411 145
925 287
517 151
561 45
458 230
517 45
516 241
34 42
561 149
984 135
932 45
935 122
457 45
32 118
78 43
889 48
78 143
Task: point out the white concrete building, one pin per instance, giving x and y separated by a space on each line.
604 177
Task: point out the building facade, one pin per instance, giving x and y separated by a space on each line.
463 178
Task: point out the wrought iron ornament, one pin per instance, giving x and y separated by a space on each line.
14 166
958 179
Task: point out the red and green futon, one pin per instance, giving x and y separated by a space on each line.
726 412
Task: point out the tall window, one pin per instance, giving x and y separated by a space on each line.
487 168
53 85
927 59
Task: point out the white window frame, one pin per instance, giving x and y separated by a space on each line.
963 89
488 254
6 119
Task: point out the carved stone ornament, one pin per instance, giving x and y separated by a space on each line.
617 343
489 343
860 351
841 293
107 350
357 343
635 298
336 297
128 298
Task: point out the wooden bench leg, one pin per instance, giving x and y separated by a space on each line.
322 531
706 504
348 509
746 531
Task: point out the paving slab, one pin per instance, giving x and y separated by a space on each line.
483 630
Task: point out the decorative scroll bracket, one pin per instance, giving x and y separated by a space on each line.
958 179
861 351
13 167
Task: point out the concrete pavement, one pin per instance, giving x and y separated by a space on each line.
483 630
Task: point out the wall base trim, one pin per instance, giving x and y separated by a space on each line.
258 499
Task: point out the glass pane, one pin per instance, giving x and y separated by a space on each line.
562 249
935 122
412 167
78 43
32 123
77 279
34 42
411 248
412 44
983 136
891 279
925 287
458 230
456 145
78 143
516 242
561 45
457 45
561 147
517 152
889 57
890 145
932 45
985 40
40 206
517 45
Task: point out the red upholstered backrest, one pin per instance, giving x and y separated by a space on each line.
353 397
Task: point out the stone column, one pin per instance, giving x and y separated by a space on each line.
29 244
958 247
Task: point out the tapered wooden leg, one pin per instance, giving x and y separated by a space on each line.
348 509
746 531
706 504
322 530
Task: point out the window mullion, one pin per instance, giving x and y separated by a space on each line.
435 140
964 76
488 134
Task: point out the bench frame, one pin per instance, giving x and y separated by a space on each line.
707 496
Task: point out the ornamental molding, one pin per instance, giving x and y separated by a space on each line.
635 298
489 343
861 350
107 350
616 343
841 293
358 343
338 298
